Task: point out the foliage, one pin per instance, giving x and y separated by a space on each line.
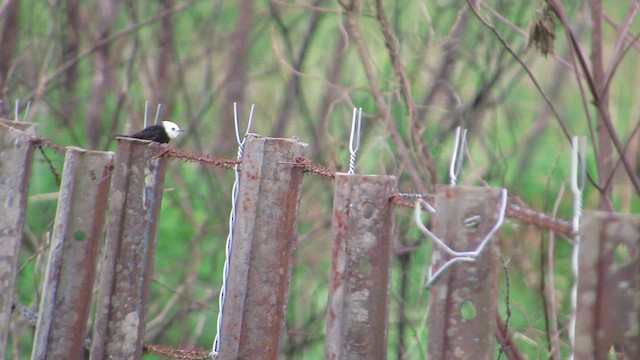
419 69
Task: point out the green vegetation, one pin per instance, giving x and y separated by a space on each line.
88 73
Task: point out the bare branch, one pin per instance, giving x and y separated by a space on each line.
383 108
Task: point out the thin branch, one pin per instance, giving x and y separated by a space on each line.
552 308
417 129
618 50
124 32
383 108
555 111
503 19
606 121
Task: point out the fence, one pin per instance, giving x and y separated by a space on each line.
463 323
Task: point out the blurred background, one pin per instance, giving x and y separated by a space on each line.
522 76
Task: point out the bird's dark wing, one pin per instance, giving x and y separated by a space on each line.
155 133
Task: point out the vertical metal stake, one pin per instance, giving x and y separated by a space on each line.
77 234
608 294
462 309
358 305
264 240
16 156
127 264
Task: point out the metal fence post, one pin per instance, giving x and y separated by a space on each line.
462 310
608 302
77 234
127 265
261 258
358 305
16 156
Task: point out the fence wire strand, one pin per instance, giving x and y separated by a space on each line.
232 221
515 209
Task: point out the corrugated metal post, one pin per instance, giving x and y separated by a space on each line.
77 234
127 266
463 301
262 253
608 307
16 156
358 305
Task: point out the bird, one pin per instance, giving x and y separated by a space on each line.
159 133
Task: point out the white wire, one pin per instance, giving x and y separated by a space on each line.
146 113
458 255
155 122
26 112
354 139
578 175
232 222
458 155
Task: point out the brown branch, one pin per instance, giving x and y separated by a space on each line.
623 32
234 83
119 34
381 104
601 96
9 41
505 340
558 9
537 85
552 307
293 90
417 129
634 43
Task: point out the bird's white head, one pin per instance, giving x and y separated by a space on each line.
172 129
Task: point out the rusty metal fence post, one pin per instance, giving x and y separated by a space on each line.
16 156
358 305
462 310
262 252
127 265
77 234
608 302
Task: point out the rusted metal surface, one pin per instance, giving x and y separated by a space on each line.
77 234
358 305
127 264
463 300
608 302
16 156
264 240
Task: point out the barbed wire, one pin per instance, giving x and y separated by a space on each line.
44 142
309 167
516 208
176 352
199 158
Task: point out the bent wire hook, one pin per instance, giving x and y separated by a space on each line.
457 255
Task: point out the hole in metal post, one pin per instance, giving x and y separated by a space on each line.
364 267
472 223
367 209
467 310
621 255
79 235
92 175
